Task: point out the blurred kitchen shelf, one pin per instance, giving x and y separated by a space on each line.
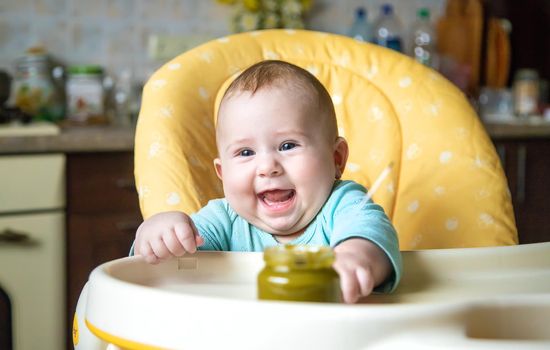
516 129
31 129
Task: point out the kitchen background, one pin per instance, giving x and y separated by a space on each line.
116 33
84 209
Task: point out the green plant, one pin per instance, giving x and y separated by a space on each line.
264 14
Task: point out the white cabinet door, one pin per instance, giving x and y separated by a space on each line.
32 274
32 182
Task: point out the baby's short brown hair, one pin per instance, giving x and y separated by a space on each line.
275 73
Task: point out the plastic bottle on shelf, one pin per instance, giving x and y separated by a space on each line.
388 29
526 93
361 29
422 42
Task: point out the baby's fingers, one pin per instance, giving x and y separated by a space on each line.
198 238
350 287
148 254
348 283
159 248
365 281
173 244
186 236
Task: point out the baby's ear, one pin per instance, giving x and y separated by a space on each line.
218 167
340 155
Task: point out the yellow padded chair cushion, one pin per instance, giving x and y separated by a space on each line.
447 188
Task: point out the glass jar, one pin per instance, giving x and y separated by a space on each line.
299 273
85 94
35 91
526 92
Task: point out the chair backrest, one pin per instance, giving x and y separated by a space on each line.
447 188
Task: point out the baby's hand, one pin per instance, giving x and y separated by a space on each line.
361 266
165 235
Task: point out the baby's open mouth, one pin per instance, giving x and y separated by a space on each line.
276 197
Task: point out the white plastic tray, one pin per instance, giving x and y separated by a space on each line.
455 298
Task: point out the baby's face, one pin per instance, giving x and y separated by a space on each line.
276 162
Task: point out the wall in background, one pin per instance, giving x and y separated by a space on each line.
115 33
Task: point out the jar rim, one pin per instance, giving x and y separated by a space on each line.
526 73
299 256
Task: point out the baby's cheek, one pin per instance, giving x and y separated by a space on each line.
238 188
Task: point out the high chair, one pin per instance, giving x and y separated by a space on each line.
447 188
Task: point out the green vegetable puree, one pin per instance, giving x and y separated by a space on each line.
299 273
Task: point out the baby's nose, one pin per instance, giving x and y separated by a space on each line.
269 166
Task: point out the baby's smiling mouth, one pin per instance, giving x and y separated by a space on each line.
276 197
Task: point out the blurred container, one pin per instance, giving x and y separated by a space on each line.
497 58
526 93
459 34
35 91
123 98
422 40
388 29
496 105
85 94
361 29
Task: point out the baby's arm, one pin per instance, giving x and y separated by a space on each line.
165 235
362 265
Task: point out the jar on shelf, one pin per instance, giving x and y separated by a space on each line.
299 273
85 94
526 93
35 90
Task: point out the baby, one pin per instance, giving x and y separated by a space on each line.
280 160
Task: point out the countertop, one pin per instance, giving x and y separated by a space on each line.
117 138
539 129
72 140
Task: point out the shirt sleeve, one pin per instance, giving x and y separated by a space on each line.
353 217
214 222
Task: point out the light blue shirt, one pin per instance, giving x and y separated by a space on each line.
343 216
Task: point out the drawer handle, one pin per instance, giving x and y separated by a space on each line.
127 225
12 236
125 183
521 174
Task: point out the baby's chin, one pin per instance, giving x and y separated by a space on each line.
282 233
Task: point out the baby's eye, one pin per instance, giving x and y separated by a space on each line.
246 153
287 146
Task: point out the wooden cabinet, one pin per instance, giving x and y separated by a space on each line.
102 215
527 166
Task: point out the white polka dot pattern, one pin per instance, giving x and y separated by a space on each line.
155 149
446 176
413 206
451 224
313 70
174 66
445 157
405 82
376 114
337 99
353 167
173 198
166 111
158 84
203 92
486 219
439 190
413 151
